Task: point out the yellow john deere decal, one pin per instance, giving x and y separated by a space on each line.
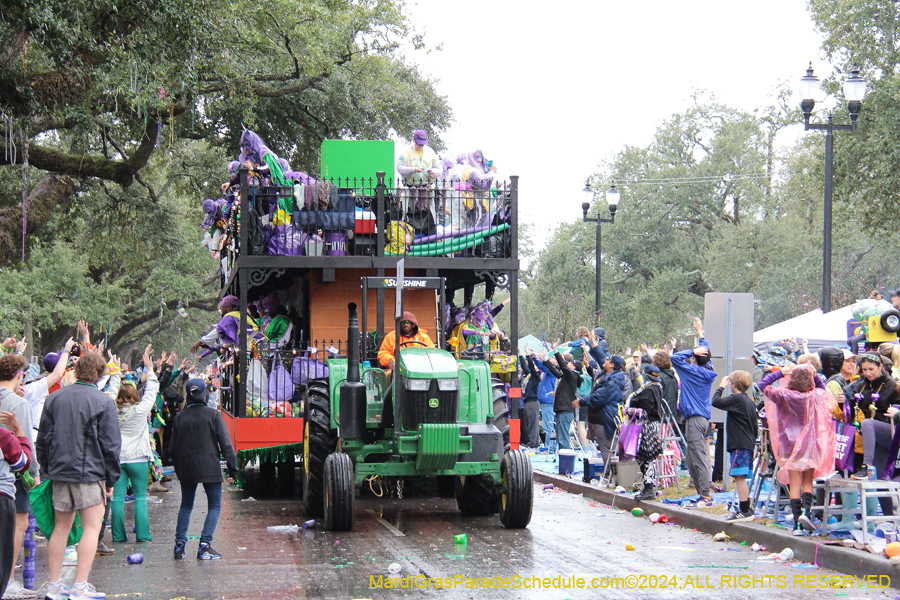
433 403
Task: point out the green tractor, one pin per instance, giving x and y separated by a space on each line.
444 418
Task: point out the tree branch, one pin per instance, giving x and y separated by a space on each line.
121 172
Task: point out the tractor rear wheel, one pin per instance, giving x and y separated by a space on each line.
338 492
501 410
517 498
319 441
476 495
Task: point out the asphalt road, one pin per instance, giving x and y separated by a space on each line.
567 540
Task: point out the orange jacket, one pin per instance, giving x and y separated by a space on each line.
386 352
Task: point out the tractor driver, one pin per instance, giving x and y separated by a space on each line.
410 335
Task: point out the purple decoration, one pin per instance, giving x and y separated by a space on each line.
24 222
875 397
233 167
450 234
858 396
285 165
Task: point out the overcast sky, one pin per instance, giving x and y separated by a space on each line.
550 90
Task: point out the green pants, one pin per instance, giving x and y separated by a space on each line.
136 473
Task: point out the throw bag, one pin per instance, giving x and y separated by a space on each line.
257 382
41 497
630 438
281 387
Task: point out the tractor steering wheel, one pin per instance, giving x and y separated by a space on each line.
413 342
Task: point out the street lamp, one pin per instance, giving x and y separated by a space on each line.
612 199
810 90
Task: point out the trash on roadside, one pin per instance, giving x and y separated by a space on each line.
599 515
757 548
394 568
629 547
283 528
311 524
893 549
721 537
619 489
460 539
638 512
248 499
548 486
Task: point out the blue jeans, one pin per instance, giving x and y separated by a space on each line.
563 422
549 429
213 497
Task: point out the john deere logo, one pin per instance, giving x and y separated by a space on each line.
433 403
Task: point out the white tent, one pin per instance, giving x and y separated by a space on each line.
820 329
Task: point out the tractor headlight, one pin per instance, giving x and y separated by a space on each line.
448 385
418 385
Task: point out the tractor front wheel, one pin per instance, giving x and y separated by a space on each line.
339 492
319 441
517 498
476 495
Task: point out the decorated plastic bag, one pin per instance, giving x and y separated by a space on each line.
305 368
630 437
281 387
257 382
844 437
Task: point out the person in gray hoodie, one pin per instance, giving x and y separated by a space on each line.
12 373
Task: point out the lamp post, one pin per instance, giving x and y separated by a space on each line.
612 199
854 92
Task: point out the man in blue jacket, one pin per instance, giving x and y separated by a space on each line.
695 370
603 404
545 397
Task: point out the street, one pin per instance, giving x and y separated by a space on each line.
566 540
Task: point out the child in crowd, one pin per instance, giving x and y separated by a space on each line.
802 434
741 429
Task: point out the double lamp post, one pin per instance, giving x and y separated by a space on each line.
612 200
810 91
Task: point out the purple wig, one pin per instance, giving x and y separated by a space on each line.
252 148
268 303
475 158
233 167
213 210
230 302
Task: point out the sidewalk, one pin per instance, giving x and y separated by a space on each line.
853 562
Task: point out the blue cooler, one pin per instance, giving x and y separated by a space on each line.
593 469
566 461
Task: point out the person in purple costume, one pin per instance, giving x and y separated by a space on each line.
226 331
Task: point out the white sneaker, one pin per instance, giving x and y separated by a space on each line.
17 591
57 591
86 592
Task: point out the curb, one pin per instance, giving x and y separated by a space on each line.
857 563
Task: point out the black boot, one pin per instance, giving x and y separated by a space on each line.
797 510
806 502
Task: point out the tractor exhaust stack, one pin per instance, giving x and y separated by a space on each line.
352 415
